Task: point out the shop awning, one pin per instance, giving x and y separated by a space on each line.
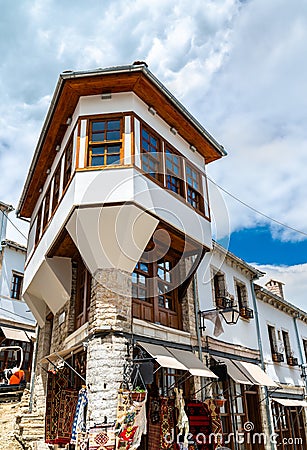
163 357
61 354
256 374
192 363
14 334
234 372
291 402
177 359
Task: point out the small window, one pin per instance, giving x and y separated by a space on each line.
56 186
272 338
286 342
173 170
38 224
68 164
241 292
47 208
165 281
140 280
83 295
194 188
151 156
221 296
16 286
105 142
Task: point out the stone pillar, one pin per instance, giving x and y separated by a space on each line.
40 375
110 317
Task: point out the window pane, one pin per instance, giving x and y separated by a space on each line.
112 159
98 126
161 273
134 291
145 145
142 279
98 150
153 141
144 267
134 277
145 134
113 135
97 161
97 137
114 125
142 293
113 149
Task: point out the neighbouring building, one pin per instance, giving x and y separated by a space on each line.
283 334
17 324
140 314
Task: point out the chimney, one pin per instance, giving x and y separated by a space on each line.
276 287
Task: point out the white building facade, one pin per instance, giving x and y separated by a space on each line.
17 324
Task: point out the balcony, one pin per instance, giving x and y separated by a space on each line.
277 357
246 313
291 361
223 302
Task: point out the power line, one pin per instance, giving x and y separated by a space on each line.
256 210
15 314
14 225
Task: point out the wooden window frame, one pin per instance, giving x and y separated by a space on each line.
83 294
170 173
241 294
47 207
150 309
68 155
38 224
194 196
56 186
157 176
16 287
106 142
286 342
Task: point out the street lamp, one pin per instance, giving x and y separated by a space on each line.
230 315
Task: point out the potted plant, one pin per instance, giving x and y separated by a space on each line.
219 401
138 394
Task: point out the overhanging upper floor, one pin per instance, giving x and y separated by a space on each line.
136 79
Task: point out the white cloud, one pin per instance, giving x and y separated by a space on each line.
294 278
237 65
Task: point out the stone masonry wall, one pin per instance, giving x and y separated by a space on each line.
110 312
40 379
110 301
106 358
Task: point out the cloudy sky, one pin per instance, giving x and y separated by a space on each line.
238 66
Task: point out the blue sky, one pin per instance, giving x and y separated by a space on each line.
258 245
237 66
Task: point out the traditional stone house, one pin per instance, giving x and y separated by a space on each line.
128 290
120 220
